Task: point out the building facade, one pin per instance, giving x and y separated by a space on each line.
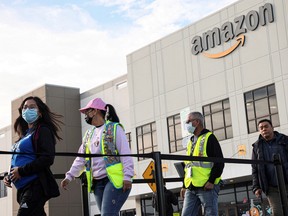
231 66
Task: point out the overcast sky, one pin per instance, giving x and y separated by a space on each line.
81 43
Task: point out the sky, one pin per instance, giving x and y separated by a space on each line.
81 43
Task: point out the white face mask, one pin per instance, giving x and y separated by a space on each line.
190 128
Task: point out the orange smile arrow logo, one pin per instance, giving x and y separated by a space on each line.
240 40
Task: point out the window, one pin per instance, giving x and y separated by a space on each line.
146 139
146 207
238 199
218 119
174 133
260 104
130 212
3 190
128 136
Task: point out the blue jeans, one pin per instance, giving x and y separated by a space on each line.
109 199
194 198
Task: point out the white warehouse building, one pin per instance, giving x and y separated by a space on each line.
232 66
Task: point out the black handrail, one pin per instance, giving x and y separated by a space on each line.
157 157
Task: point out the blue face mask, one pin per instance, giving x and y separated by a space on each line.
30 115
190 128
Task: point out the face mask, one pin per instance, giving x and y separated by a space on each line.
30 115
89 119
190 128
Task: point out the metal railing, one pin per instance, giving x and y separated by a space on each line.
158 157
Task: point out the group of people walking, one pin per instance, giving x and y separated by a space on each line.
110 177
202 179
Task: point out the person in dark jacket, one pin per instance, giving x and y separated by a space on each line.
264 178
37 128
202 179
170 198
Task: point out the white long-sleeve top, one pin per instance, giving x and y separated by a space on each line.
97 163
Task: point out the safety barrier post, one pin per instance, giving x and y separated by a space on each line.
85 195
281 182
159 183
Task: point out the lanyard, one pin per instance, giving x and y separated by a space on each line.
201 147
194 140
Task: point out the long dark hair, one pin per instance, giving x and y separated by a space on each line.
48 118
110 113
20 126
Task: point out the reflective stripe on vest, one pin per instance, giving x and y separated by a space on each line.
114 167
200 170
88 161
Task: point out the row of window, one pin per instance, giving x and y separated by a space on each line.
260 103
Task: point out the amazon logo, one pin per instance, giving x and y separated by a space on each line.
230 30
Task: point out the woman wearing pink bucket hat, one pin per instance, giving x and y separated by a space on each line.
109 177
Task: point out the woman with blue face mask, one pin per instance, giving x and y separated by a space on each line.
37 128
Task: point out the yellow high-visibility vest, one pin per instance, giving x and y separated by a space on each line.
199 172
114 167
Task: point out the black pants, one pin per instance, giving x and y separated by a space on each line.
31 199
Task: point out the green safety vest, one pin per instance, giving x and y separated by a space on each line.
200 170
114 167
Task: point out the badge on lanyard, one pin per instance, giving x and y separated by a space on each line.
189 170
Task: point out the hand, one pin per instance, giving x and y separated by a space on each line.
7 182
208 186
258 193
127 185
14 174
182 193
64 183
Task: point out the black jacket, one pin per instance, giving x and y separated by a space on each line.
259 176
170 198
214 150
44 143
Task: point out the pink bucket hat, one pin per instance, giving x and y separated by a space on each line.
96 103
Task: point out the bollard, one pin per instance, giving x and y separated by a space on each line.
281 182
85 195
159 183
